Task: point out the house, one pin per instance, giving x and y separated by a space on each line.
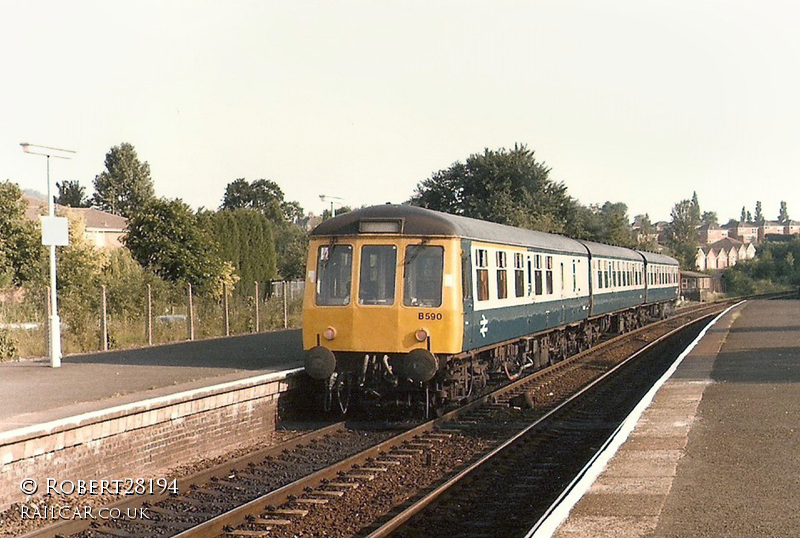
791 227
724 253
746 232
711 233
770 227
104 230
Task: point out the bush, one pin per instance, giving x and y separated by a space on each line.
8 348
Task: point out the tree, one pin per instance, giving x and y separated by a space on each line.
606 224
72 194
783 216
262 194
245 240
682 233
291 243
166 237
695 207
21 251
645 238
759 215
744 217
710 218
126 185
505 186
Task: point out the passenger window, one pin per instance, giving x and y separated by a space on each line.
519 275
482 274
334 273
538 282
502 279
422 281
376 278
549 274
574 277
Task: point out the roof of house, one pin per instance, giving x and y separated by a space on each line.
93 218
96 219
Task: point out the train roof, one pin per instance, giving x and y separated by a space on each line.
611 251
418 221
654 257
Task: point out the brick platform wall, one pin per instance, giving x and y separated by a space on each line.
143 439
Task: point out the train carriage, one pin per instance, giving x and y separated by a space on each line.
408 304
617 278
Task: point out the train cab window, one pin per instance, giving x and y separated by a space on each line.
502 276
482 274
519 274
549 274
334 273
376 278
538 280
422 280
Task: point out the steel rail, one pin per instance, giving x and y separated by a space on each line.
403 517
68 527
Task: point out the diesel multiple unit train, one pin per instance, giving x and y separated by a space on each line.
411 307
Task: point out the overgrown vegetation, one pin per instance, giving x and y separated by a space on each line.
776 267
222 256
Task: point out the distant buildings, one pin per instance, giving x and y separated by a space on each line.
725 246
723 253
103 230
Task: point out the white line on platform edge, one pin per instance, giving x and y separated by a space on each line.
558 512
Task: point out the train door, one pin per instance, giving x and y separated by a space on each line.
468 299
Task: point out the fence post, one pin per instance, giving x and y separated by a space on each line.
285 307
104 323
227 313
191 315
149 315
258 298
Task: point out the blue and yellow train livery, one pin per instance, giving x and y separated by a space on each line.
409 306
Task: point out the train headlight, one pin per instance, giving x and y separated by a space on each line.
421 335
329 333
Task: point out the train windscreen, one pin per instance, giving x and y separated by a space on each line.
334 270
376 277
422 280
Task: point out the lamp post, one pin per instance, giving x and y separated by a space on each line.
325 197
54 231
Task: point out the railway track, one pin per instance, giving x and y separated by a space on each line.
542 460
340 480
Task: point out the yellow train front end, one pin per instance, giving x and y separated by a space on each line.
381 309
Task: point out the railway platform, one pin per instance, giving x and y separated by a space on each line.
142 411
717 452
31 392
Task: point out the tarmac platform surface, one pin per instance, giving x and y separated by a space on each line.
717 453
31 392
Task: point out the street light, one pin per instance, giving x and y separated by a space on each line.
325 197
54 232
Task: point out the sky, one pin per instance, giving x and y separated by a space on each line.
638 101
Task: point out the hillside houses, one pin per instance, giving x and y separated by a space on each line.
726 252
725 246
